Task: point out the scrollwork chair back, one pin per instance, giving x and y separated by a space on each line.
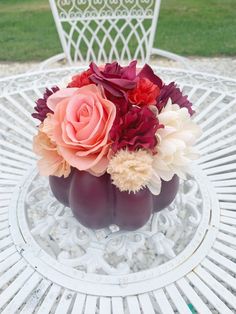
106 30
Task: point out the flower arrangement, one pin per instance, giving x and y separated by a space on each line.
119 122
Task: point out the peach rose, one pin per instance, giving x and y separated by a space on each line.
82 121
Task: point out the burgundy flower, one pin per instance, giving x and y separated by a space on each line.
135 130
147 72
115 79
174 93
42 108
81 79
122 104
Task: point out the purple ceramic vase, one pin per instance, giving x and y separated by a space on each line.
97 203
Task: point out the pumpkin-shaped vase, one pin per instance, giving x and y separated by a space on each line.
97 203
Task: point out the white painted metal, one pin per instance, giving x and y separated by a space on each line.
163 302
36 297
146 304
192 295
65 302
133 305
201 275
79 304
50 298
107 30
207 288
15 286
90 305
25 290
177 299
105 305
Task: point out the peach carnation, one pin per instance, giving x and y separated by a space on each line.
47 126
130 171
51 162
82 121
175 145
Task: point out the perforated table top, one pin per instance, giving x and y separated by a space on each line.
50 264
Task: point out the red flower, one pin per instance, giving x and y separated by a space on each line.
174 93
145 93
81 79
135 130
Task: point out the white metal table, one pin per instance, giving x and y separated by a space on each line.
182 261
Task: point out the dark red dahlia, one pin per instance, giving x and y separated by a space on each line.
135 130
42 108
81 79
174 93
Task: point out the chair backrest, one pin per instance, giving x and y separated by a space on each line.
106 30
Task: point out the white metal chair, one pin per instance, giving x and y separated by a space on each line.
107 30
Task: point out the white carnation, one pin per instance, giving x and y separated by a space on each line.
175 145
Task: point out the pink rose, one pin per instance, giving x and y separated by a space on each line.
82 121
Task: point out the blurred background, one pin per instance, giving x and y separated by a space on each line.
203 30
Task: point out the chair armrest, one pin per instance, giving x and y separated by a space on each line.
48 62
172 56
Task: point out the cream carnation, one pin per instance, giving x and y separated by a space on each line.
130 171
174 149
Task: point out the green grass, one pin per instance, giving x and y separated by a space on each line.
186 27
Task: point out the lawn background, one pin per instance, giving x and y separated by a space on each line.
187 27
